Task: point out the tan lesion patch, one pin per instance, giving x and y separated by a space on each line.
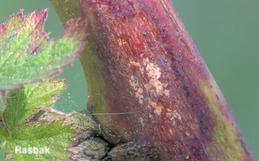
152 86
137 89
155 86
158 109
134 65
153 70
121 42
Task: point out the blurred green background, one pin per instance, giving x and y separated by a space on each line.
225 32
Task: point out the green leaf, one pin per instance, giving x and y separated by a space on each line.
55 136
3 137
23 103
28 55
39 141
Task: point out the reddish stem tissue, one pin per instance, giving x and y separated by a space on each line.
144 72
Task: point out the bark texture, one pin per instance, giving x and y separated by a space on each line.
149 85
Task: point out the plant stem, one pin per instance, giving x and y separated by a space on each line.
141 60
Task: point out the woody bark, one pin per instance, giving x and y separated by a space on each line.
150 83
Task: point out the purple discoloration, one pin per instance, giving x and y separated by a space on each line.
153 71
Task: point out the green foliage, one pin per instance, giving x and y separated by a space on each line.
24 103
55 136
28 60
18 131
26 53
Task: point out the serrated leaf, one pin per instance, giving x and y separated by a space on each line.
20 137
55 136
27 54
23 103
